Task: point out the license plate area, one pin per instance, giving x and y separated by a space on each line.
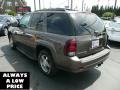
95 43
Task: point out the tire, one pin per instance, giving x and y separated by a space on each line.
5 32
11 43
46 63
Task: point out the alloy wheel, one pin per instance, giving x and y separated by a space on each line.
46 67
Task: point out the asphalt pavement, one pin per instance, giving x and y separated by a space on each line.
106 77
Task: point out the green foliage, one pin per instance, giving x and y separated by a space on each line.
108 14
13 13
101 10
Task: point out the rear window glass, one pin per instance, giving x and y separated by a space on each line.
87 23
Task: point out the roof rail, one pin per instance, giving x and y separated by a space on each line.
54 9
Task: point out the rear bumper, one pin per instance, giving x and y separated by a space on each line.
76 64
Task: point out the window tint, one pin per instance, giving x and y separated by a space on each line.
82 31
37 21
59 23
25 20
88 22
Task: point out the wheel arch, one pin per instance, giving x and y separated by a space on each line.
50 49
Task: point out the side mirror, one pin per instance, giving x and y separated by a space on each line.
22 25
15 24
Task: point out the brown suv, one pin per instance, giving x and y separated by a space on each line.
61 39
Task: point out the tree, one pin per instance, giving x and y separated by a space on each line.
95 10
100 11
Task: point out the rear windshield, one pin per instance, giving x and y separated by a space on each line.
87 23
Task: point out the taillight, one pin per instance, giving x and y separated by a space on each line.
70 47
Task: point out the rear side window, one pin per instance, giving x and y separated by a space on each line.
59 23
37 21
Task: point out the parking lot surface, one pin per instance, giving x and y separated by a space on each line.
106 77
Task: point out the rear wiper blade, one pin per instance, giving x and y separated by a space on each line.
85 28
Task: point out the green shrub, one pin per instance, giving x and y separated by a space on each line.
12 13
108 14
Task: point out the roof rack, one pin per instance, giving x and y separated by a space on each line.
54 9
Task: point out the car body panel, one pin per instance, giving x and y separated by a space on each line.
5 22
113 32
75 64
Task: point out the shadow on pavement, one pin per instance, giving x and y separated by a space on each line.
114 44
62 81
